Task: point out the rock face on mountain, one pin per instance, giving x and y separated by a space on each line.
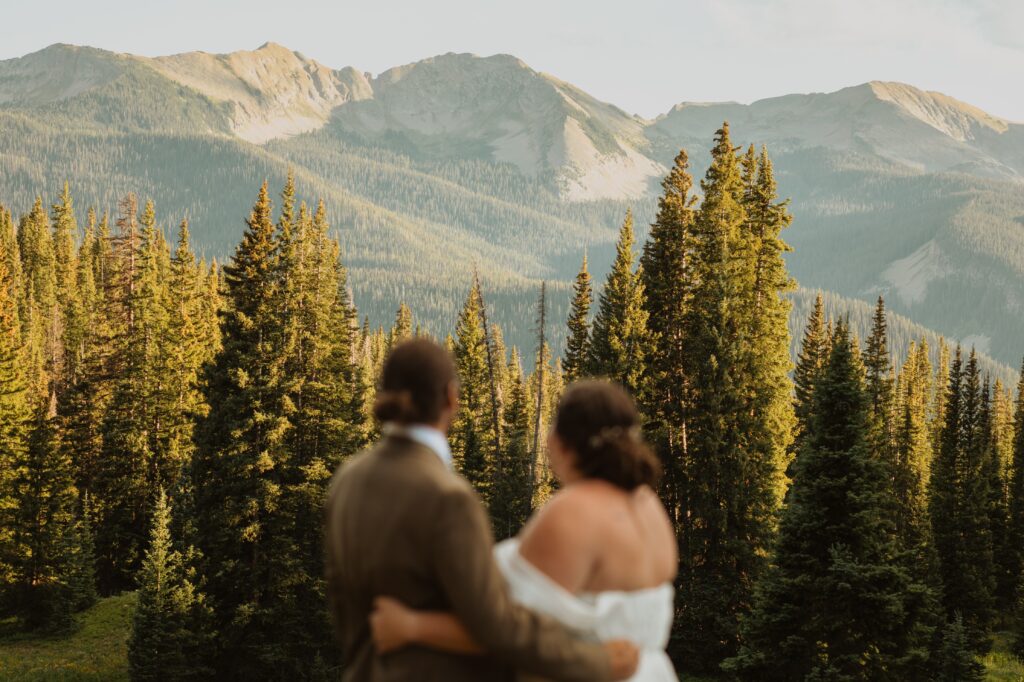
461 159
500 109
924 131
273 91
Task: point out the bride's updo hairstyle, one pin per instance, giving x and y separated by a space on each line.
414 383
599 422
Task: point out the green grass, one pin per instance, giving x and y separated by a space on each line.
1000 664
98 650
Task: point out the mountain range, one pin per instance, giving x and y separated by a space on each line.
456 161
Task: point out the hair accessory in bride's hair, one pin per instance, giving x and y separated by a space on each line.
612 433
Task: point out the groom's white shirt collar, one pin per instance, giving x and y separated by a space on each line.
427 436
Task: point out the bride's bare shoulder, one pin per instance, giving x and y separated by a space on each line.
568 506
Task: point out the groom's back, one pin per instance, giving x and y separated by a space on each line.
381 516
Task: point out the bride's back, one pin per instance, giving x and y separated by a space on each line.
606 530
620 540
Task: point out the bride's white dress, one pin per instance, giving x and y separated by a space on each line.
642 616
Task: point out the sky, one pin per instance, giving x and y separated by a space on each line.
641 55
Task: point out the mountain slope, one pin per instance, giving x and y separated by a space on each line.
924 131
433 166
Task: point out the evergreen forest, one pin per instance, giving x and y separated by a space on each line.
846 487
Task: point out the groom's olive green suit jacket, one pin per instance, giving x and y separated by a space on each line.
400 524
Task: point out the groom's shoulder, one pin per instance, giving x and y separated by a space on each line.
404 466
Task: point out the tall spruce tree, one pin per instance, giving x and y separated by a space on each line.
84 405
913 453
958 497
1015 523
324 427
65 232
577 344
240 445
41 313
813 353
995 505
665 265
620 341
510 499
472 437
14 428
831 606
734 452
135 460
284 410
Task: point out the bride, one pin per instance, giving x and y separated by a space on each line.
600 556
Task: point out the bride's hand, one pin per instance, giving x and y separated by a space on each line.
394 625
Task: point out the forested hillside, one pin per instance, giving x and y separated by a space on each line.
431 167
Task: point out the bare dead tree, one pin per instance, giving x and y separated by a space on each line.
495 397
541 343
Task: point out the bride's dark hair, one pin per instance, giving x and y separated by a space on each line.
599 422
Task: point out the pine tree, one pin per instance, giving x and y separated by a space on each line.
958 496
41 319
239 445
510 503
913 452
170 624
811 358
402 329
1015 493
81 558
135 460
325 427
471 433
620 342
577 345
665 265
737 413
495 358
956 661
84 404
831 606
285 408
12 262
765 326
182 351
878 365
65 231
994 505
43 528
14 426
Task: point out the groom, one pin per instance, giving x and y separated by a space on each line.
401 524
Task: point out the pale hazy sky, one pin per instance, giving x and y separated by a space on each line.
642 55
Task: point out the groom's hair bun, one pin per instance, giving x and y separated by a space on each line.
599 422
414 383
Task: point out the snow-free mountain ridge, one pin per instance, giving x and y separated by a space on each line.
504 110
896 191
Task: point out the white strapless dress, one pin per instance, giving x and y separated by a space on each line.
642 616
